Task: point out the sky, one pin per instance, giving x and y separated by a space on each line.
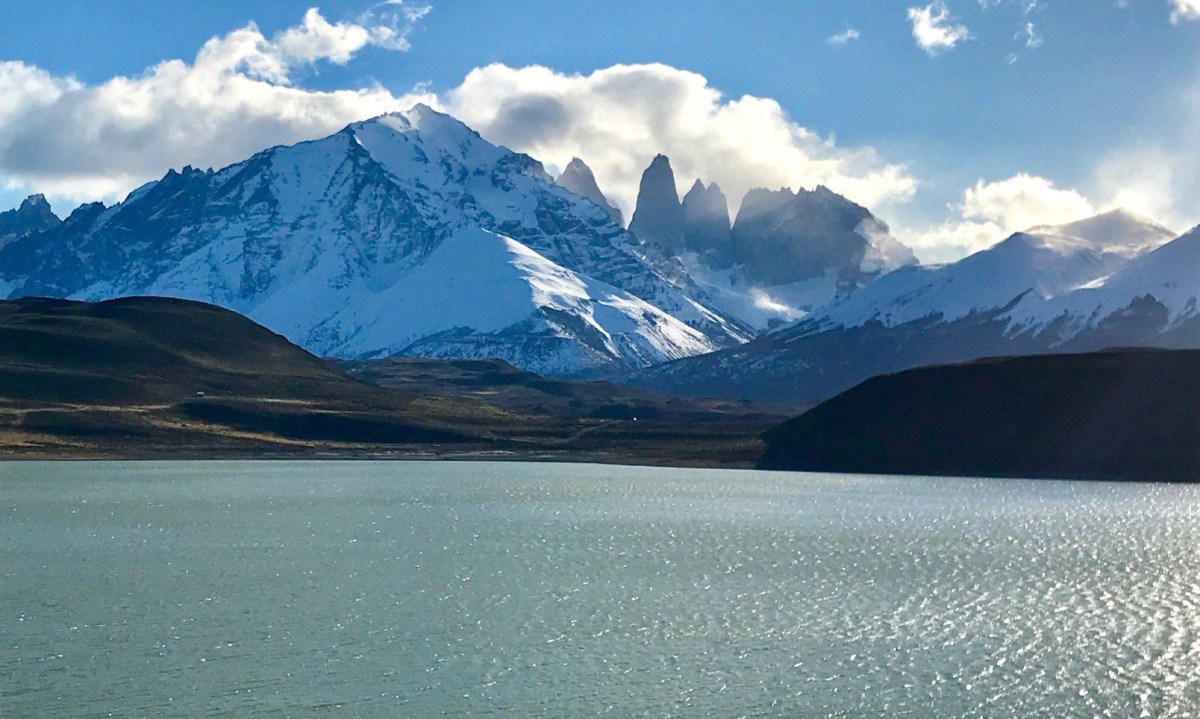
956 121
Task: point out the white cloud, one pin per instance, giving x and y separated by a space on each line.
239 95
1184 10
991 211
934 29
82 142
1028 7
843 37
1023 201
1142 178
1029 35
951 240
386 26
1158 172
618 118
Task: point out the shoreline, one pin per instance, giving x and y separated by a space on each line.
627 459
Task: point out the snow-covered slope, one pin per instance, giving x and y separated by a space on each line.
506 301
731 293
1028 268
324 240
1168 276
1119 231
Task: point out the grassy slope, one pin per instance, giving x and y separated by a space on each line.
160 377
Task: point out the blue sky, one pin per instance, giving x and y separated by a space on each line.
1039 110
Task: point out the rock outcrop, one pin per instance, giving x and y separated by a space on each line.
578 178
34 215
782 237
706 227
658 218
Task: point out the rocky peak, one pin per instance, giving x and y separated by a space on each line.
658 218
783 237
578 178
706 225
86 213
34 215
36 204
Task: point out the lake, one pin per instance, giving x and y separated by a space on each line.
410 589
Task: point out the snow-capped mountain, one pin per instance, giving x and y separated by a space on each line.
1111 280
334 243
785 254
1029 267
1155 292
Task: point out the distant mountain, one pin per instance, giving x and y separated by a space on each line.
34 215
783 237
1155 295
407 233
1131 414
1030 267
578 178
785 255
1069 288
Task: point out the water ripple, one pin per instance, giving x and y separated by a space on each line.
410 589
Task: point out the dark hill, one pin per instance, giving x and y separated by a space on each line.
175 373
150 349
1119 414
154 377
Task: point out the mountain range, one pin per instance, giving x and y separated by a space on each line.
785 254
409 234
1113 280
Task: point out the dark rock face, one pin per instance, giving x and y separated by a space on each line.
783 237
578 178
1124 414
34 215
658 218
706 227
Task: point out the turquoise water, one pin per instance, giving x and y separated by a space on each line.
346 589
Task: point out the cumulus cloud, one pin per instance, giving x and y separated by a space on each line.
843 37
1023 201
1184 10
618 118
235 98
991 211
934 29
241 93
